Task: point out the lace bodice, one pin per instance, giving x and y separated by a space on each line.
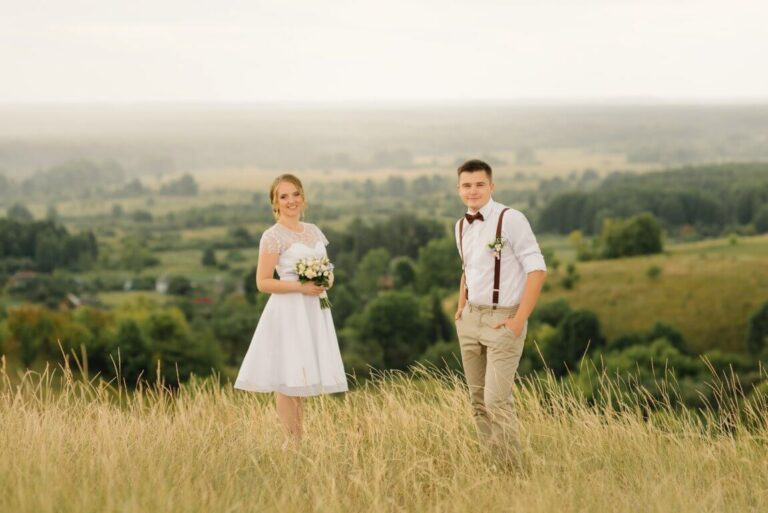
292 246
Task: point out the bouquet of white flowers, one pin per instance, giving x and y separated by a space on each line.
318 271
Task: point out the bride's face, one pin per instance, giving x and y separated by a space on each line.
289 200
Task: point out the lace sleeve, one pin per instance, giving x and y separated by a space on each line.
270 243
321 236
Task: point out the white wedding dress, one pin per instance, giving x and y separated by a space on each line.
294 349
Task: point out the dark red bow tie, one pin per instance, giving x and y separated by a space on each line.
471 218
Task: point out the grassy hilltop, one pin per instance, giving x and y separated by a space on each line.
398 444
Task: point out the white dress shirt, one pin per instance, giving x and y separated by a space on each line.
519 255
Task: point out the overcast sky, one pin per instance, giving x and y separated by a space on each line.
387 50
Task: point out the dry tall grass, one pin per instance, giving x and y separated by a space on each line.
399 443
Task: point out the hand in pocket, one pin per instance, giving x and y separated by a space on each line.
512 325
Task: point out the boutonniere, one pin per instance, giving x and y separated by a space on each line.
496 244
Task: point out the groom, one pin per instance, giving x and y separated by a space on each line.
503 274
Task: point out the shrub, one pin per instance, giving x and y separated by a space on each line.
638 235
653 272
577 333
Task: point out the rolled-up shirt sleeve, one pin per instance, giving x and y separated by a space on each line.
520 236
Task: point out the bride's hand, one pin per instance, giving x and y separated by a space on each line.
330 280
311 289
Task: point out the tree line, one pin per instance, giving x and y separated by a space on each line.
711 200
44 246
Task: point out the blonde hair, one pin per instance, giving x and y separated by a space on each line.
292 179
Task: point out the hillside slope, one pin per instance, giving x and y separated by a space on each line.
707 290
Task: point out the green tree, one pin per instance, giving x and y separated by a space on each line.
403 272
443 354
645 369
141 216
180 354
359 356
241 237
658 331
183 186
20 213
52 214
209 257
345 303
440 327
395 186
638 235
135 256
393 321
552 313
571 277
48 251
38 331
659 353
180 286
761 219
132 352
233 323
549 257
370 272
249 286
439 265
24 325
5 334
578 332
671 335
757 332
97 336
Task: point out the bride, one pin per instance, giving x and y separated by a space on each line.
294 351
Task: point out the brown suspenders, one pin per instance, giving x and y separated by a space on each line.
497 266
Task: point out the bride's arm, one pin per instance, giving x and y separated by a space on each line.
265 281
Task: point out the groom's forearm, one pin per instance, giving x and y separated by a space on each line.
531 293
462 298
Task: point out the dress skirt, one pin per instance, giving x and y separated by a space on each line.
294 350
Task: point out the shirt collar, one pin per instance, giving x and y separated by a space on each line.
487 209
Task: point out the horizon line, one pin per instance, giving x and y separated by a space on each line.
402 102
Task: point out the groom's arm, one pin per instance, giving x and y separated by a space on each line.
518 231
531 293
462 298
462 281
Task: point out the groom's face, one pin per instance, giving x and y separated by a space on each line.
475 188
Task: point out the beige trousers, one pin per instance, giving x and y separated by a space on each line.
490 357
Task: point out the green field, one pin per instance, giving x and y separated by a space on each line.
706 289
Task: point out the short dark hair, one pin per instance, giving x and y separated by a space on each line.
473 165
